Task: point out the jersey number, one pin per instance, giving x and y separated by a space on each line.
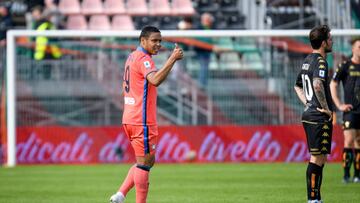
307 86
127 78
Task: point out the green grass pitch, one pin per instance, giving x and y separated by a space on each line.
172 183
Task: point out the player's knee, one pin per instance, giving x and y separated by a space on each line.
318 159
149 161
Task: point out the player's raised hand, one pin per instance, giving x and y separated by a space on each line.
177 53
327 112
345 107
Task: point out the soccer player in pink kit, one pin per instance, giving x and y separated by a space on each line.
139 118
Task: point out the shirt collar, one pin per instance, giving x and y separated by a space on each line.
140 48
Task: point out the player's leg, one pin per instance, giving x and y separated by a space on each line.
128 182
357 157
141 176
319 144
144 146
314 174
348 154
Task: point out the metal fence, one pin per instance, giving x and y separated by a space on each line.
250 83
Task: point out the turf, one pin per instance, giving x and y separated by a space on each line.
172 183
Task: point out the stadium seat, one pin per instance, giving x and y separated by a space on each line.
76 22
137 7
182 7
228 5
168 22
113 7
206 6
89 7
141 21
122 22
159 7
68 7
99 22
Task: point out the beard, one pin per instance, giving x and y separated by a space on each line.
328 49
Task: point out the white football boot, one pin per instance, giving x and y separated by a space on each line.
117 198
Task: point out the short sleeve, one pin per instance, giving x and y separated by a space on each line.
147 66
321 70
339 72
298 81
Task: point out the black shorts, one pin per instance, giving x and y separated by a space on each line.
318 136
351 121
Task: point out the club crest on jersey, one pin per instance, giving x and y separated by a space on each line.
147 64
322 73
352 67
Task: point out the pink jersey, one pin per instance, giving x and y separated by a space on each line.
139 95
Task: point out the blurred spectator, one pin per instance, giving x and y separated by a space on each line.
36 15
47 6
5 22
185 24
44 47
204 55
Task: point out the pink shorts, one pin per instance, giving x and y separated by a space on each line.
143 138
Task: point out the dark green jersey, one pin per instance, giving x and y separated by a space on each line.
349 74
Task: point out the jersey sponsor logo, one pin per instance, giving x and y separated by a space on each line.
147 64
153 146
129 100
322 73
322 66
305 66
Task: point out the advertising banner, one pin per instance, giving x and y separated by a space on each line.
88 145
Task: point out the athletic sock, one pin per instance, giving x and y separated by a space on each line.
141 179
348 157
357 163
313 180
128 182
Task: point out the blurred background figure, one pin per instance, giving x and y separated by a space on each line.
202 54
5 22
44 47
186 23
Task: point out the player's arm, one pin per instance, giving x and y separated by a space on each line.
299 89
334 85
300 93
319 91
156 78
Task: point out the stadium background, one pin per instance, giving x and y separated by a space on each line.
249 88
248 112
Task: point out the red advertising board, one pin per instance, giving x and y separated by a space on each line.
176 143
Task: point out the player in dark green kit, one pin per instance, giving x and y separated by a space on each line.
312 88
348 72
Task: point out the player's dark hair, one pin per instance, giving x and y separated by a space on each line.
355 39
147 30
319 34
